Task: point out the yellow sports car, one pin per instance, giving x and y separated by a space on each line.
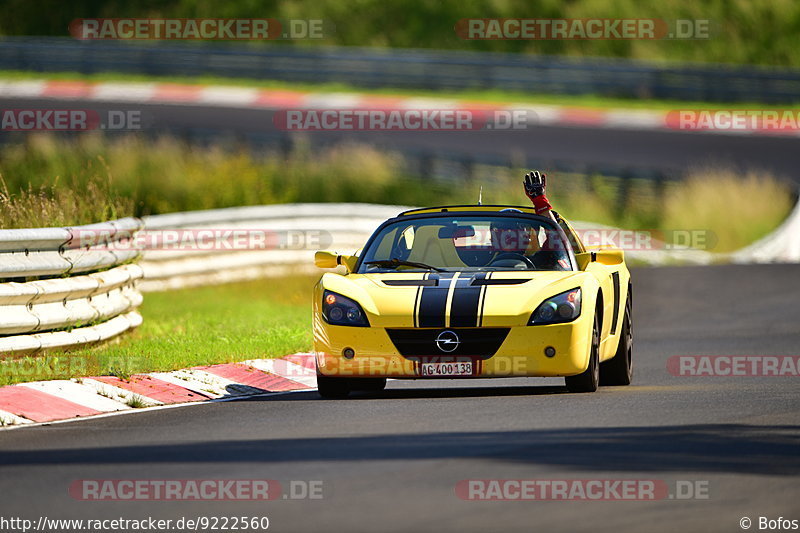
472 292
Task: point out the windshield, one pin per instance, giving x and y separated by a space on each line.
468 243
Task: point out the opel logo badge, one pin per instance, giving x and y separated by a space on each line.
447 341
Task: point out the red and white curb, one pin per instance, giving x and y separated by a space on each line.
244 97
48 401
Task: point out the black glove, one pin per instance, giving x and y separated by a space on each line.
535 184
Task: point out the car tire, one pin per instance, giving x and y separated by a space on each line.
333 388
589 379
368 384
619 369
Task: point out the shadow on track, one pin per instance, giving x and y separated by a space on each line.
733 448
422 392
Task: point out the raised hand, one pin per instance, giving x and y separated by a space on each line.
535 184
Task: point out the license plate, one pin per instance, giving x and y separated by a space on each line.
446 369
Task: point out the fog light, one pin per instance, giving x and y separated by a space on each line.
348 353
550 351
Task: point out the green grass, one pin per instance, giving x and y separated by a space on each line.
184 328
136 402
491 96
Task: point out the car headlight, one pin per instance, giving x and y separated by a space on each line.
564 307
339 310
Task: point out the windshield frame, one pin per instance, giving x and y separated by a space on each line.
511 213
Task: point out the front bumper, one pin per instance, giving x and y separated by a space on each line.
522 353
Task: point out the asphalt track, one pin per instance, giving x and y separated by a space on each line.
390 462
548 146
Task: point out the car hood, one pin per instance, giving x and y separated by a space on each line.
452 299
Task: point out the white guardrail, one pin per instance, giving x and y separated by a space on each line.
299 230
93 289
87 291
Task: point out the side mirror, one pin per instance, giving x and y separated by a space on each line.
608 257
324 259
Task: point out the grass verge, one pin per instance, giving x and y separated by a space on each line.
184 328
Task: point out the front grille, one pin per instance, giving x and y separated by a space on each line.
475 343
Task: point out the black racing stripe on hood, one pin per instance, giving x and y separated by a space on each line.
433 301
464 307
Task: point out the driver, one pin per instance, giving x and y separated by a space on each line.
510 236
